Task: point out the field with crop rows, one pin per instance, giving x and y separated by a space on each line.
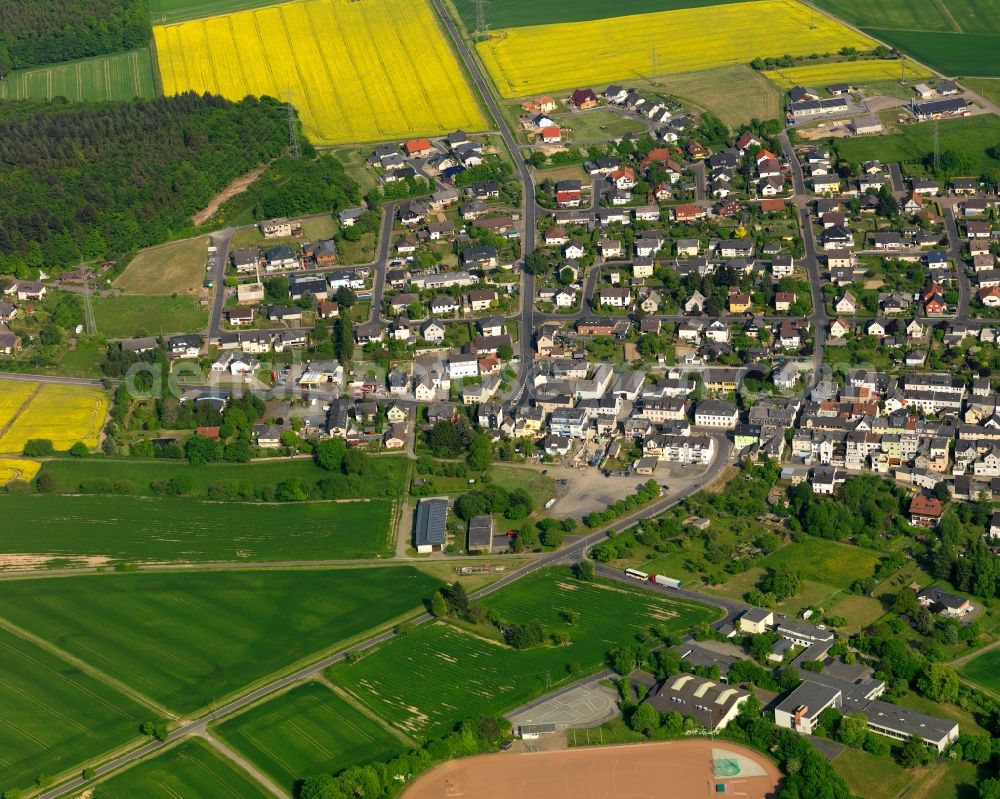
63 414
856 73
17 469
426 681
164 11
960 37
169 530
188 639
190 770
523 60
309 730
53 715
118 76
518 13
357 71
13 395
985 670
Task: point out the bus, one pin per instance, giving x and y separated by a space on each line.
635 574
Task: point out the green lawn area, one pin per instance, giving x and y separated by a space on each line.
117 76
599 125
190 770
987 87
174 268
84 360
188 639
974 135
517 13
824 561
55 717
308 731
439 674
384 476
958 782
133 315
857 768
161 529
984 670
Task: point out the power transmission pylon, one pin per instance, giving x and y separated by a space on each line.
482 26
293 133
88 309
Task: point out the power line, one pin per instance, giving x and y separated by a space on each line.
482 25
293 132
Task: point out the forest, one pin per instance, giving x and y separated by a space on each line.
35 32
96 181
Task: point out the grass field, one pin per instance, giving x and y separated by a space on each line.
517 13
308 731
343 61
55 717
856 73
134 315
186 639
598 125
383 477
824 561
975 135
950 53
426 681
987 87
960 37
522 60
312 229
17 469
734 94
175 268
984 670
190 770
966 721
959 781
119 76
162 530
63 414
857 768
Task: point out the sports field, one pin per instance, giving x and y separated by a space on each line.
135 315
307 731
692 769
523 61
64 414
119 76
984 670
856 73
169 530
190 770
53 716
187 639
518 13
957 37
175 268
357 71
17 469
426 681
824 561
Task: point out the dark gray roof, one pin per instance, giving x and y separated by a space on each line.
811 695
432 515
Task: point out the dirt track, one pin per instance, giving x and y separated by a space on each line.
677 769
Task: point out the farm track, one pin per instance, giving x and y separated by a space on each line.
244 764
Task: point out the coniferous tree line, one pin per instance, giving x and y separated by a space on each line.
95 181
34 32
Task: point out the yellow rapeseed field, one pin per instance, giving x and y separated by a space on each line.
357 70
527 60
17 469
63 414
855 73
13 394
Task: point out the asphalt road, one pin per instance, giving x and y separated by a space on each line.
572 553
955 253
530 206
